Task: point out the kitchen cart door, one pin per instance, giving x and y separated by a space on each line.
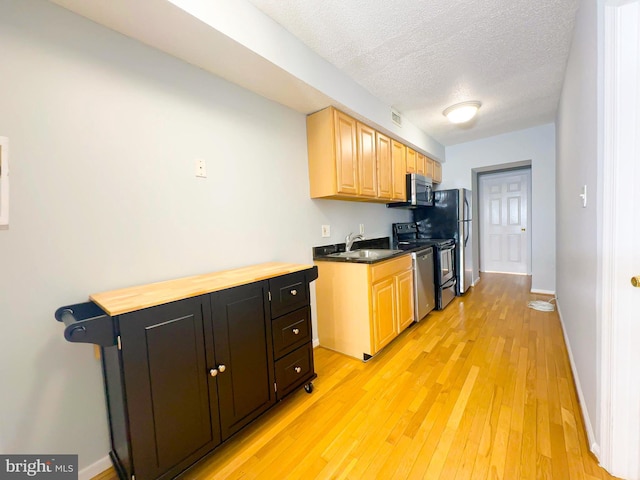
243 354
167 387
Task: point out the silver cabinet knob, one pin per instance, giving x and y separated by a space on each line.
213 372
296 331
221 368
297 369
294 292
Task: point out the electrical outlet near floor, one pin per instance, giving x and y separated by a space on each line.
326 231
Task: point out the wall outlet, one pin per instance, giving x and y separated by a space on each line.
362 229
326 231
201 168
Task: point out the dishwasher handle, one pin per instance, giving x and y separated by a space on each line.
425 254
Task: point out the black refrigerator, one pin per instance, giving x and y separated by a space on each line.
450 217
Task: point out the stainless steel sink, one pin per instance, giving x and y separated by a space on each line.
365 254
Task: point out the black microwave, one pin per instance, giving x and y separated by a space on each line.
419 192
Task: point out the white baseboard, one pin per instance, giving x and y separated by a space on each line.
591 438
543 292
95 468
316 342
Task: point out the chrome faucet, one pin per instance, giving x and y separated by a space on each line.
351 238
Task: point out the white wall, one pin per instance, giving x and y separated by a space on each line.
577 227
536 145
104 132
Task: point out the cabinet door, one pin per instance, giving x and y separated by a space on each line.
404 288
383 153
385 326
367 171
421 164
243 354
399 171
429 172
346 153
411 160
171 400
437 172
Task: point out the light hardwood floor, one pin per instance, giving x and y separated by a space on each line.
482 390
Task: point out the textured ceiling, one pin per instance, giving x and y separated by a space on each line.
422 56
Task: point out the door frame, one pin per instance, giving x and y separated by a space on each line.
523 171
475 210
619 398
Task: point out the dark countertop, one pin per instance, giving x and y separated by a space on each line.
321 253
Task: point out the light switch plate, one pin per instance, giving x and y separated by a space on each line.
326 231
201 168
583 196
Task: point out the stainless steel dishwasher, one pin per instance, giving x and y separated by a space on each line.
424 286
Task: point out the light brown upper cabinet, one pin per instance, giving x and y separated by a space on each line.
383 152
437 172
411 160
342 156
367 160
429 167
349 160
333 162
421 164
399 170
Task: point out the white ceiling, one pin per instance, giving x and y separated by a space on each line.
421 56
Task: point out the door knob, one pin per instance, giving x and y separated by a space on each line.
221 368
523 229
213 372
635 281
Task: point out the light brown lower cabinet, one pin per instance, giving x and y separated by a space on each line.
361 308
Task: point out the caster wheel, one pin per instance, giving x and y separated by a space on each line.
308 387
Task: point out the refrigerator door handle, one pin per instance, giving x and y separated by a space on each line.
466 231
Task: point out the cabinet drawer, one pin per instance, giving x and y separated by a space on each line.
291 331
288 293
294 370
390 267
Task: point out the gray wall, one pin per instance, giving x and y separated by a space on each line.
104 132
536 145
577 227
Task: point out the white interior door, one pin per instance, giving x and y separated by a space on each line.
620 319
504 227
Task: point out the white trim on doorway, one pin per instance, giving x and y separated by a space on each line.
619 405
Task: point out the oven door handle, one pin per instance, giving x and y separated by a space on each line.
450 283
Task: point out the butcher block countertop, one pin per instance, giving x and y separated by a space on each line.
125 300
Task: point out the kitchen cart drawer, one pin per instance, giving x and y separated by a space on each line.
294 370
291 331
288 293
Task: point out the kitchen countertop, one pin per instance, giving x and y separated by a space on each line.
322 253
125 300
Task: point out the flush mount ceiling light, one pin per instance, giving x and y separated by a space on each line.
462 112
